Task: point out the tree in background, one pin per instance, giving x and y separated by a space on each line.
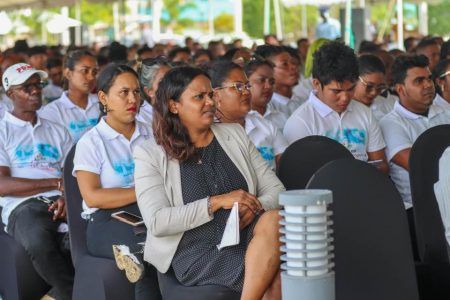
438 19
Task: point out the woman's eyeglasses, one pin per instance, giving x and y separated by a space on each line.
239 86
379 88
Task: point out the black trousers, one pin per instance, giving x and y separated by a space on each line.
103 231
32 226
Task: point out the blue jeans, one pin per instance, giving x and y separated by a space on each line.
32 226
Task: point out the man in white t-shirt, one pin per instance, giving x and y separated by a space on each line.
330 110
411 116
32 153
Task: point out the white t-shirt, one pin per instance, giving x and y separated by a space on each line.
401 128
74 118
381 106
105 152
277 118
31 152
267 139
145 114
439 101
5 105
51 92
283 104
356 128
303 88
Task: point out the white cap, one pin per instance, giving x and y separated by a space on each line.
18 74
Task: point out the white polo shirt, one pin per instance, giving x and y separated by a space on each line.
105 152
401 128
356 128
381 106
439 101
145 114
74 118
31 152
303 88
268 140
277 118
283 104
52 92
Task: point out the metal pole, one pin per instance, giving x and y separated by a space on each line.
238 18
65 34
279 30
156 25
348 22
266 16
116 21
211 18
400 24
78 28
423 18
304 22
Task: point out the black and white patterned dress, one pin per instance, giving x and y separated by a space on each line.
197 260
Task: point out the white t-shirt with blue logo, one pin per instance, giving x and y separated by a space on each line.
74 118
105 152
267 139
356 128
34 152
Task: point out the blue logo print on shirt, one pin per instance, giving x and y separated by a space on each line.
348 135
266 153
77 128
40 156
125 168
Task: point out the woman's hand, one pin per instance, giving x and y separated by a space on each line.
226 201
246 216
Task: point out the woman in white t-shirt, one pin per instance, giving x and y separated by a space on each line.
150 71
260 75
77 109
104 167
233 102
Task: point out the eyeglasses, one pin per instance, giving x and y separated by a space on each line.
29 87
444 74
239 86
380 88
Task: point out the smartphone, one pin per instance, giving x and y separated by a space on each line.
128 218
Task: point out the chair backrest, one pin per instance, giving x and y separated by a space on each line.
77 225
305 156
423 173
373 254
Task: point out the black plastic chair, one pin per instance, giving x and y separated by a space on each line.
424 173
434 270
18 278
373 254
171 289
304 157
95 277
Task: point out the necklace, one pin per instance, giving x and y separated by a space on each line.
201 152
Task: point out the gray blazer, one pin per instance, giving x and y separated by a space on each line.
159 195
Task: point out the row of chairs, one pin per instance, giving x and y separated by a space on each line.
373 251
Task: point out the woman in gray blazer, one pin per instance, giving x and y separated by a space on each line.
188 179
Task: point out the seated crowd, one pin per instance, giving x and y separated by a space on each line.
177 136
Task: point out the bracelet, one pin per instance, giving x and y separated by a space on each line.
210 212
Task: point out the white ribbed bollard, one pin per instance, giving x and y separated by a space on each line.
307 245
